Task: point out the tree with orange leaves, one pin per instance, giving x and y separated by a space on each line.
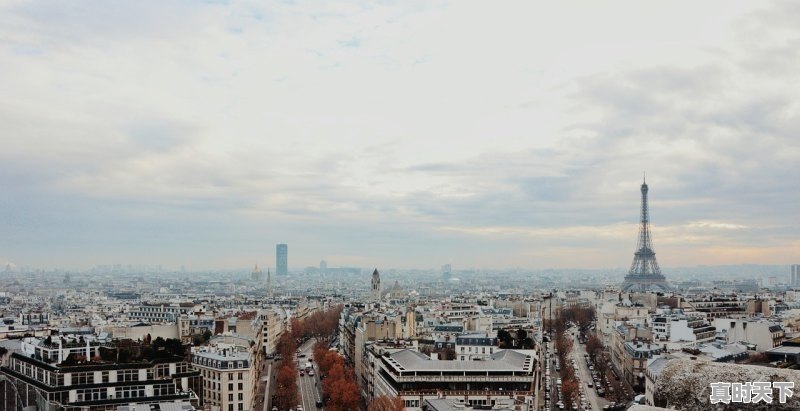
384 403
286 388
569 390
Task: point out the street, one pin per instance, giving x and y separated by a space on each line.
584 375
309 387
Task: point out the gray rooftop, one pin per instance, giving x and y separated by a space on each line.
505 360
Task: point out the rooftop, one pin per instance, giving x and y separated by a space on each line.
504 360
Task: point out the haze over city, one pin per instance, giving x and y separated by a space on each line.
408 134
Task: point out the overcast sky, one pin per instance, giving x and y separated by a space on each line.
398 134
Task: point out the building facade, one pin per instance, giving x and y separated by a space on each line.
82 374
229 376
281 259
415 377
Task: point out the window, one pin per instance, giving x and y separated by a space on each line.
230 397
241 406
241 396
230 377
230 407
230 387
241 386
241 377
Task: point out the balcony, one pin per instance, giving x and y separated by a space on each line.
464 378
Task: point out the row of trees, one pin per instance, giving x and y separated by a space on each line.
581 316
339 387
286 395
320 324
570 386
600 359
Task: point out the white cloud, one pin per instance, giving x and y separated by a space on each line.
522 119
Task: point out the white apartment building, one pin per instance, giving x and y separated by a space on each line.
229 376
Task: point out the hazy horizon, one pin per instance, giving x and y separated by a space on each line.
398 134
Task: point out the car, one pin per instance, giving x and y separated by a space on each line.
589 384
299 408
274 408
311 373
319 403
302 373
301 355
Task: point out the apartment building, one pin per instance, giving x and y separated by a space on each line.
229 376
89 374
415 377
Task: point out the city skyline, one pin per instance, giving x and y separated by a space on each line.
203 134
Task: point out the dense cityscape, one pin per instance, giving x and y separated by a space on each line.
326 338
415 205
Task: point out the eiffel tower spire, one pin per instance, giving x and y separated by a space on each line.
644 274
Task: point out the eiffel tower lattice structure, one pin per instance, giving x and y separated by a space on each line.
644 275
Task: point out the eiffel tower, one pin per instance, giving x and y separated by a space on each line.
644 275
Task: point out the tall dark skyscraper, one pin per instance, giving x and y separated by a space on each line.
281 259
644 275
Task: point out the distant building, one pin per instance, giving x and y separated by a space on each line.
688 329
447 271
645 274
764 334
795 273
157 313
256 274
470 347
281 259
375 293
323 267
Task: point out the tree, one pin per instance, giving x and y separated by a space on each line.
286 392
384 403
594 345
569 389
505 339
521 336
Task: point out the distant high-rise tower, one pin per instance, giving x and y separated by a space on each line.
281 259
269 283
446 270
795 274
375 294
323 267
256 274
644 275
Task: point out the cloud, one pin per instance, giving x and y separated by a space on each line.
214 130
